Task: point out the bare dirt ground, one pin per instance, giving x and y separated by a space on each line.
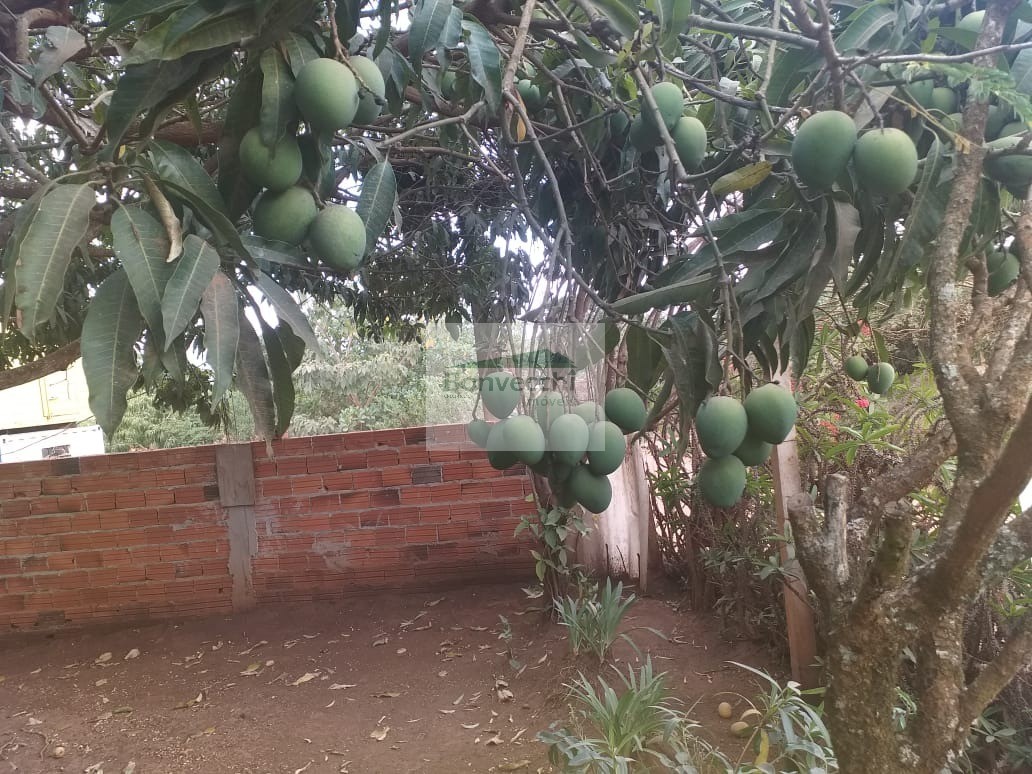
392 683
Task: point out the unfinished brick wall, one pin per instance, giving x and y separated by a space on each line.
184 531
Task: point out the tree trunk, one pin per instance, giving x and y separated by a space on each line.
864 667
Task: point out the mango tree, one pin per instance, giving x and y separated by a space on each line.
703 173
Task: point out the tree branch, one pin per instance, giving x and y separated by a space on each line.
58 360
1015 655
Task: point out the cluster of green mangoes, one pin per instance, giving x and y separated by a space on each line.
329 98
884 160
575 446
687 132
880 376
734 434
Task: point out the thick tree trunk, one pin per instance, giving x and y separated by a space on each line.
863 663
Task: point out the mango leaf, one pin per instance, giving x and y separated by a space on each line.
221 314
287 309
110 331
224 234
383 34
376 202
621 14
693 357
672 16
193 273
267 254
23 217
56 229
278 111
215 33
645 360
142 87
123 13
428 22
252 379
864 26
175 164
1021 72
749 176
283 395
922 224
141 244
62 44
669 295
485 62
299 51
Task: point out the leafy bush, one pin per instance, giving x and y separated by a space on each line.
622 726
593 619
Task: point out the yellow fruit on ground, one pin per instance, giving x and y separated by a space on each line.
724 710
740 729
372 80
276 168
338 237
284 216
327 94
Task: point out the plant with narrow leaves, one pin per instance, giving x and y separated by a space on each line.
592 620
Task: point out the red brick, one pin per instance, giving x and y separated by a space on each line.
27 488
434 514
86 522
413 455
367 479
382 458
160 497
323 463
457 471
45 525
56 486
273 487
18 584
101 501
9 565
130 499
306 485
336 481
354 500
43 505
116 557
421 534
397 476
291 467
15 509
170 477
140 517
70 503
355 460
188 494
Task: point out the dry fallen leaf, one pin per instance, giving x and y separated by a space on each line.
458 701
380 641
103 658
253 648
514 766
447 712
502 690
100 682
470 726
305 678
253 669
386 695
134 653
402 651
433 602
342 686
380 733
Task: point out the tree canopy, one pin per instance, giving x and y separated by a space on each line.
675 162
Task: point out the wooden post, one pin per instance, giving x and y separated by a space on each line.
799 618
